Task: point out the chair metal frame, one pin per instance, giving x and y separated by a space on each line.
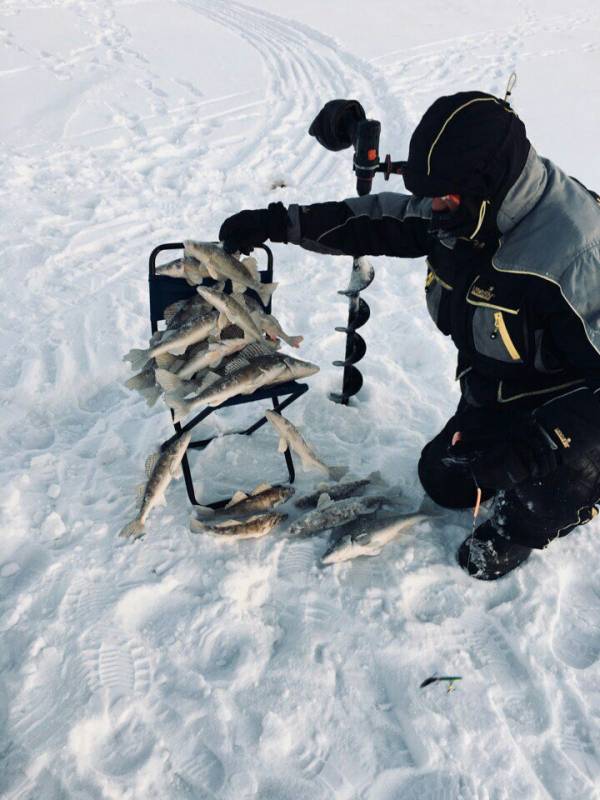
164 291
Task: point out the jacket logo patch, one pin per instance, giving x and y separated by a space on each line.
564 440
483 294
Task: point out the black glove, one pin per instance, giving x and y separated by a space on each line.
246 229
527 453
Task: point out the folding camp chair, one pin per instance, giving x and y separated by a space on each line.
163 292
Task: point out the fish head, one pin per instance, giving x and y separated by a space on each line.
299 368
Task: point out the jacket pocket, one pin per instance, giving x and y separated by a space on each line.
494 338
435 290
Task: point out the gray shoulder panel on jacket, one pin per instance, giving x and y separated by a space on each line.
390 204
552 230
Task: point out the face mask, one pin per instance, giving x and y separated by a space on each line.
452 224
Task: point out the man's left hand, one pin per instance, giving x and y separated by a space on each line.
500 463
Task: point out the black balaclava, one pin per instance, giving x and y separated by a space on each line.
471 144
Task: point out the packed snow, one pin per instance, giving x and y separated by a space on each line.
180 666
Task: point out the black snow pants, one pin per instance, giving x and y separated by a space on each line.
533 512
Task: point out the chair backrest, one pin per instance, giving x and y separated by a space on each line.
164 290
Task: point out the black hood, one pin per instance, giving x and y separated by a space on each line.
469 143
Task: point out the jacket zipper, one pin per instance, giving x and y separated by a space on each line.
500 326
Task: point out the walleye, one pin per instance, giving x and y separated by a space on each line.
261 371
367 536
269 324
233 311
183 311
187 268
175 341
222 265
331 515
263 498
336 491
145 381
160 468
289 436
251 528
210 356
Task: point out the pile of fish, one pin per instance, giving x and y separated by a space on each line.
362 525
215 345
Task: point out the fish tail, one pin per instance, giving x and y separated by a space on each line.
337 473
265 291
139 382
151 395
294 341
137 358
170 382
180 407
134 530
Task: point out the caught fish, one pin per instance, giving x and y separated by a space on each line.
188 269
145 381
336 491
331 515
231 310
175 341
183 311
367 536
251 528
160 469
210 356
289 436
223 265
269 324
263 498
260 372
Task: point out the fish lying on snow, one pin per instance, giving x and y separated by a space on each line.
263 498
223 265
251 528
289 436
160 469
338 491
175 341
367 536
331 515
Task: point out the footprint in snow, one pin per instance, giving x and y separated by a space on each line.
576 635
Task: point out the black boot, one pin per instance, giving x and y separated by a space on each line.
488 555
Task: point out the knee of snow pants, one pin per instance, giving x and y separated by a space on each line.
536 512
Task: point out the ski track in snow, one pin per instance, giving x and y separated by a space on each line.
181 667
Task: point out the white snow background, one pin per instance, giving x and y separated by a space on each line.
181 667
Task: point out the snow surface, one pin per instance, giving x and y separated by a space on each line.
182 667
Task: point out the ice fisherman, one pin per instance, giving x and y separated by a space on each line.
513 277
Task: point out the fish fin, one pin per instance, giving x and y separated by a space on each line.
283 445
204 511
251 265
197 525
294 341
229 523
140 381
324 500
212 272
238 288
151 395
376 478
134 530
170 382
337 473
208 379
262 487
177 473
160 500
151 462
140 491
237 498
222 322
265 291
179 407
137 358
